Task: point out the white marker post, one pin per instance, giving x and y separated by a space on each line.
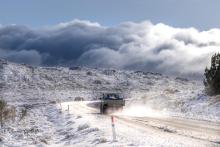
60 106
113 129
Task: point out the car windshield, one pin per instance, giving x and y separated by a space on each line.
112 96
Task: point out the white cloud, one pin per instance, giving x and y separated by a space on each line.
139 46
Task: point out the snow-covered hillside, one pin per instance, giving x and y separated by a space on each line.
173 95
37 89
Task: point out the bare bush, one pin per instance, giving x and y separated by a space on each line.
23 113
3 105
6 112
79 99
98 82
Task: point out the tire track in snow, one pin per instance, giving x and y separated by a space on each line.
179 129
159 126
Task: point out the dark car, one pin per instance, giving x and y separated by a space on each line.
111 102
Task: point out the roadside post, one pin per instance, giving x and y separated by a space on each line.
60 106
113 128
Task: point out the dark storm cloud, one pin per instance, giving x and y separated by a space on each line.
139 46
31 57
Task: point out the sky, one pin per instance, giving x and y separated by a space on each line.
167 36
202 14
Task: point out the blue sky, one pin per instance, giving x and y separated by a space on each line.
202 14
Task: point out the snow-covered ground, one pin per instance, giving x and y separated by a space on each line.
37 88
53 125
176 96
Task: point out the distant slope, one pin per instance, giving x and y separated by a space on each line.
17 76
178 96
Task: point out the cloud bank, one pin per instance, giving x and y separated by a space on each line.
137 46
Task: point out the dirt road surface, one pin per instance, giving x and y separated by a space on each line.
154 131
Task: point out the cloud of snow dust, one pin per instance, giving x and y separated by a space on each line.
142 111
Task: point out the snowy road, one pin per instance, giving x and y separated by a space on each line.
201 130
150 131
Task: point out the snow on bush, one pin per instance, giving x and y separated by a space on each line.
82 127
